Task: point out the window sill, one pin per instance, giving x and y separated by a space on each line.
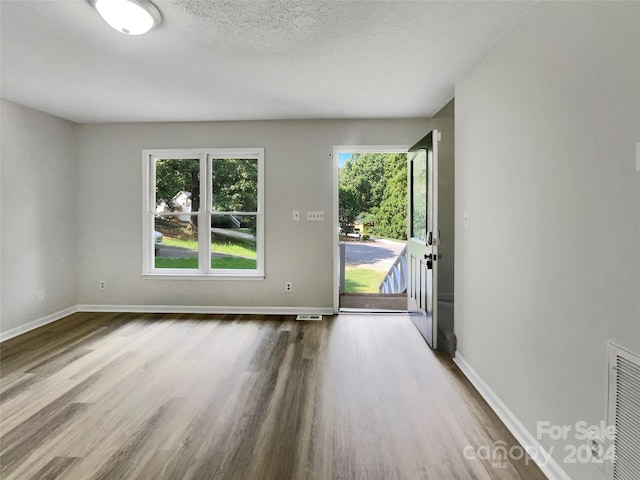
253 276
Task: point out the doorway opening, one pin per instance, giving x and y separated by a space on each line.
370 202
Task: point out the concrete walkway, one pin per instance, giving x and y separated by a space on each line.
226 232
376 255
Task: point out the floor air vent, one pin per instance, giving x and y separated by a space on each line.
313 316
624 413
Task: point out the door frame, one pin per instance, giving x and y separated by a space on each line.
337 150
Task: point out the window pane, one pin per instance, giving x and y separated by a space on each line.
175 242
177 185
233 242
235 184
419 196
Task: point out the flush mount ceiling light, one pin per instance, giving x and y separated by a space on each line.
133 17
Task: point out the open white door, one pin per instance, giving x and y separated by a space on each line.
423 236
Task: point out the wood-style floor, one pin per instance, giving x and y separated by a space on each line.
124 396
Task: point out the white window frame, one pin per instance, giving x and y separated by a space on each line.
205 272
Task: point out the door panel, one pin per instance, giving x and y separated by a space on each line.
422 246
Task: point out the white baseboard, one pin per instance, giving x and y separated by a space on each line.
234 310
14 332
27 327
543 459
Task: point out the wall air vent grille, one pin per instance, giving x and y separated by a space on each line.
309 317
624 413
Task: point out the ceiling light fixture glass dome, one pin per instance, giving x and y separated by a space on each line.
133 17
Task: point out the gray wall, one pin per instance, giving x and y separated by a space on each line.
39 215
71 209
548 272
444 121
299 176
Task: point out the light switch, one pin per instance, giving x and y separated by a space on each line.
465 219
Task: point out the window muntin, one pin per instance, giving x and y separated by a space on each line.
221 189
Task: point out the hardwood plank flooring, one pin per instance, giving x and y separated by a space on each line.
143 396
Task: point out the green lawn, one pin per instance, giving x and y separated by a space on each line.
232 248
242 254
191 244
237 263
362 280
238 248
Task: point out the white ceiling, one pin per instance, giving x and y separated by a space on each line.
247 60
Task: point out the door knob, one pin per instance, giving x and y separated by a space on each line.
429 260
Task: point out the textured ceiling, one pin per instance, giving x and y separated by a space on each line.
247 60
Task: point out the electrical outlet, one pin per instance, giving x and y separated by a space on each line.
295 216
315 216
102 285
596 445
288 286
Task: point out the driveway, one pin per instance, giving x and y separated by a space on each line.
176 252
376 255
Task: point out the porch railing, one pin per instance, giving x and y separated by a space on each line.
395 281
342 267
